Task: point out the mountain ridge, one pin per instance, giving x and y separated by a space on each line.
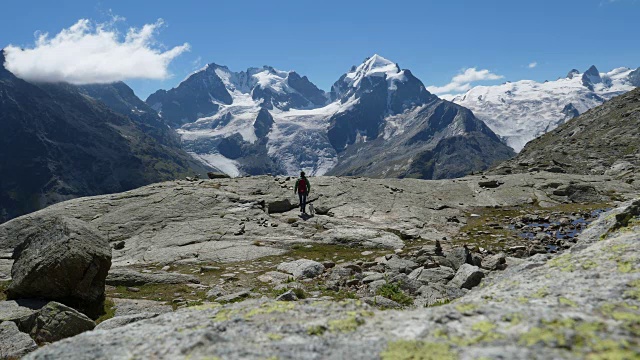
520 111
309 128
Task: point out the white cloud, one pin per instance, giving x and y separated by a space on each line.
462 82
533 65
86 53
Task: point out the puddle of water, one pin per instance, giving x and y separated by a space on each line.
570 231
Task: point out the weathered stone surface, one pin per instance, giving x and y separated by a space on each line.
302 268
287 296
431 295
215 292
124 307
494 262
21 312
56 321
539 309
120 321
372 278
382 302
458 256
280 206
399 265
62 259
236 296
439 275
274 277
195 222
467 277
13 343
128 277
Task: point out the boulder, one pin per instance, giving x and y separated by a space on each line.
398 265
302 268
274 277
430 295
120 321
467 277
216 175
56 321
215 292
233 297
373 277
494 262
13 343
458 256
21 312
490 184
382 302
439 275
128 277
62 259
287 296
280 206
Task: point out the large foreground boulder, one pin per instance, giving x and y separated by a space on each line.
61 259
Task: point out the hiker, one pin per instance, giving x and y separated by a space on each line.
302 188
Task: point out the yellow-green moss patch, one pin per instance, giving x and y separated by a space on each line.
417 350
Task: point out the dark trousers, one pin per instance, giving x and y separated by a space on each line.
303 201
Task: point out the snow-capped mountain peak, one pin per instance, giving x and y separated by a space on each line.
522 110
373 66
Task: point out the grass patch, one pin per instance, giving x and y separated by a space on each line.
160 292
299 292
109 311
393 292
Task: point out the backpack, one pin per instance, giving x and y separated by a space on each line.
302 185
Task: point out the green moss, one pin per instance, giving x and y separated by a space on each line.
4 285
466 307
275 337
567 302
439 302
316 330
225 315
513 319
541 293
417 350
634 292
269 308
522 300
589 264
159 292
349 323
625 266
563 263
579 336
109 311
393 292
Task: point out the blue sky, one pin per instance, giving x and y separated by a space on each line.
436 40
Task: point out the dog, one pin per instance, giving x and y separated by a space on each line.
312 211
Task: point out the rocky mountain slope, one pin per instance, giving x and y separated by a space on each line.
270 121
210 245
543 308
523 110
59 142
604 140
